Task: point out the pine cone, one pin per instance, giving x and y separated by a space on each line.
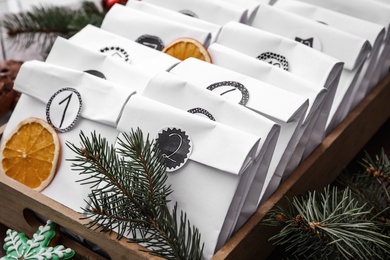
8 97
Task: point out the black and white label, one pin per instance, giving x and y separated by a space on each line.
151 41
274 59
307 38
63 109
116 52
96 73
232 90
201 111
175 146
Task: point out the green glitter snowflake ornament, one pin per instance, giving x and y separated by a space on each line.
17 246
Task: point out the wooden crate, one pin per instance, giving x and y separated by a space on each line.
18 203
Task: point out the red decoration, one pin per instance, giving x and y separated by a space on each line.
107 4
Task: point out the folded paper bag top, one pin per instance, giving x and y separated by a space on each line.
245 64
373 11
348 48
125 50
98 64
150 30
282 52
100 103
370 31
292 56
208 181
176 16
94 91
177 92
217 11
242 89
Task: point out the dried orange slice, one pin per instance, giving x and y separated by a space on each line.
184 48
30 153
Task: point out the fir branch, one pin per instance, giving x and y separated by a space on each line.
44 24
129 195
379 168
328 225
372 186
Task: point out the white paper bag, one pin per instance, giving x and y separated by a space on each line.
288 55
123 49
373 11
250 5
98 102
176 16
216 158
177 92
216 11
98 64
252 67
148 29
350 49
372 32
258 96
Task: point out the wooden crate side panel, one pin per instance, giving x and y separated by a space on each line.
18 201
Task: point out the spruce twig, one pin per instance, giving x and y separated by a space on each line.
328 225
129 195
44 23
371 185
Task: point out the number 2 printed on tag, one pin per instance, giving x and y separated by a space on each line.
63 109
176 147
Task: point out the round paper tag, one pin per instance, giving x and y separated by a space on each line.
175 146
96 73
307 38
232 90
202 111
151 41
63 109
274 59
116 52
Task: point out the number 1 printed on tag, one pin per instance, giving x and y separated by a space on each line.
63 109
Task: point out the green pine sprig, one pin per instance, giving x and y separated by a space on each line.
129 195
44 23
371 185
328 225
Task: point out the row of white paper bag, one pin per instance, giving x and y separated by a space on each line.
237 126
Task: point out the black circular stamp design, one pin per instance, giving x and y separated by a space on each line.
188 13
63 109
175 146
274 59
202 111
151 41
230 88
116 52
96 73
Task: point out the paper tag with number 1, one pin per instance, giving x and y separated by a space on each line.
63 109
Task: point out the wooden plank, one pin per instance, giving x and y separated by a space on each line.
18 202
317 171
